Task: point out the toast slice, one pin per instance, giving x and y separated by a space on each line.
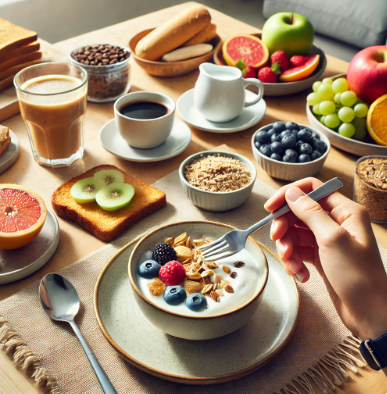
20 60
13 36
12 71
5 139
107 225
23 50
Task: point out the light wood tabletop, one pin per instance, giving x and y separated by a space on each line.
76 243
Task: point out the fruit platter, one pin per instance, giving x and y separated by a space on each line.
283 56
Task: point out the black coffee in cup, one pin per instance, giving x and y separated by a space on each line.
144 110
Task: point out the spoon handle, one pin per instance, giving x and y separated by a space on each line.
103 379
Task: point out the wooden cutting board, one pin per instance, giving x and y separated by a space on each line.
9 105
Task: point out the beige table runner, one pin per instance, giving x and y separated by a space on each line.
321 350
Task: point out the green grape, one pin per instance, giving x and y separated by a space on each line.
360 125
347 130
348 98
316 85
361 110
325 92
346 114
336 99
322 119
316 109
332 121
313 99
327 81
327 107
340 85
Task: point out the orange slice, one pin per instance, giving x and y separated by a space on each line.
301 72
377 120
247 48
22 215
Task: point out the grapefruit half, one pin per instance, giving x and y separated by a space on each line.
250 49
300 72
22 215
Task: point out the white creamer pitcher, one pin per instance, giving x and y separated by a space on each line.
219 93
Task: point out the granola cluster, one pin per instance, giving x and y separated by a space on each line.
217 173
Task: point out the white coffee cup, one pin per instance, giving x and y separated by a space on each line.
144 133
219 93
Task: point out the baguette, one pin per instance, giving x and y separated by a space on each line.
187 52
203 36
107 225
173 33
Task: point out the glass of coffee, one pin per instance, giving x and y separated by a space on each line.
52 99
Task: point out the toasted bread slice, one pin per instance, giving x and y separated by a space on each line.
23 50
12 71
20 60
6 82
107 225
13 36
5 139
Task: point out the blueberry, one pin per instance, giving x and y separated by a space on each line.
257 144
276 138
292 126
278 126
196 302
174 295
289 142
285 132
318 145
276 156
271 132
298 145
305 149
305 135
149 269
290 156
276 147
262 137
265 149
303 158
315 155
295 133
316 135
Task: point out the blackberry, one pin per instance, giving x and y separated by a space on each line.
164 253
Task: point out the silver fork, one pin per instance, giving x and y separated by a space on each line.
234 241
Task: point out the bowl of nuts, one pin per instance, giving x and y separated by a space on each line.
108 67
188 297
217 181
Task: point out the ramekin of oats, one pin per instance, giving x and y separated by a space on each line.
217 181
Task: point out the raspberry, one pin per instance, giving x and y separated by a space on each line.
280 58
298 60
172 273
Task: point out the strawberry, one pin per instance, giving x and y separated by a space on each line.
298 60
266 74
280 58
249 72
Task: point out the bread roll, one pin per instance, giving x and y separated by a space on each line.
187 52
173 33
203 36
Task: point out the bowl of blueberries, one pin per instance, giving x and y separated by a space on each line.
290 151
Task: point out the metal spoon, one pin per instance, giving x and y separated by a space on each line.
60 302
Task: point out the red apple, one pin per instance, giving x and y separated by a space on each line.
367 73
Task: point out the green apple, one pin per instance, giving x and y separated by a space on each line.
288 32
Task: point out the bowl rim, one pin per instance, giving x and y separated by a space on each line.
237 309
322 158
253 170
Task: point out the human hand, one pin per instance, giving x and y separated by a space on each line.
335 235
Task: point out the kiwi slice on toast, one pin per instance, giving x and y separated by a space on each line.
115 196
110 176
86 189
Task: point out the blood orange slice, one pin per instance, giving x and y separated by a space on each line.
22 215
300 72
251 50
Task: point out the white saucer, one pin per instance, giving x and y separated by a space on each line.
248 118
20 263
11 154
176 143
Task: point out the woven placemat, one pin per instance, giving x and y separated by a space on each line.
321 350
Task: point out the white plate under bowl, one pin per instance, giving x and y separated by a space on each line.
183 361
11 154
177 142
249 117
349 145
20 263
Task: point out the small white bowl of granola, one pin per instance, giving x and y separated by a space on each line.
187 297
217 181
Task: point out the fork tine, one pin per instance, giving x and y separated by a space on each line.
214 248
218 250
211 244
221 255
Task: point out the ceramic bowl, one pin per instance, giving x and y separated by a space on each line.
170 69
217 201
283 88
290 171
195 326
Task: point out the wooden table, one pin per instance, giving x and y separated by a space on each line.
76 243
